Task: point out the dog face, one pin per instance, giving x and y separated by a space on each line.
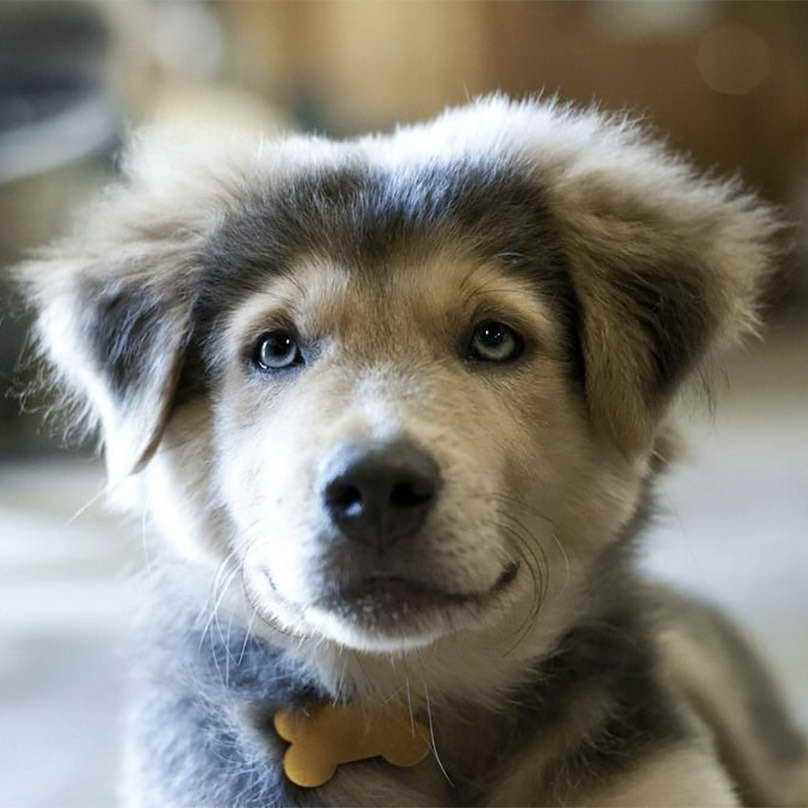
393 465
412 384
391 446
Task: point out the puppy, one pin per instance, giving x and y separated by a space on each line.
397 405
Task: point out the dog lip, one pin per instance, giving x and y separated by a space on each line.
396 591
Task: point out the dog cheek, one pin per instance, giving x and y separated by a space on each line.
266 485
464 542
182 488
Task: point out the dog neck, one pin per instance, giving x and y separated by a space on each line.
580 657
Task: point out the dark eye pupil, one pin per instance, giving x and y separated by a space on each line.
277 346
491 335
495 342
278 349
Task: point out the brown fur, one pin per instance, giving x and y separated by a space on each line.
623 272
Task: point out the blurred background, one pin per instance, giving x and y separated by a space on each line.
725 81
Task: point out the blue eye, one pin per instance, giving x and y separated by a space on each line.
277 350
494 342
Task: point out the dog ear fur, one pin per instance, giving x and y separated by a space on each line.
114 301
668 268
115 340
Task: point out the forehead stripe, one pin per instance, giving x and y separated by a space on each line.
361 217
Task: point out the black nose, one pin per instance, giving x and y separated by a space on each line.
377 494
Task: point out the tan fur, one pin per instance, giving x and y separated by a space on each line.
666 268
680 778
722 678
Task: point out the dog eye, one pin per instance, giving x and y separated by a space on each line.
276 350
494 342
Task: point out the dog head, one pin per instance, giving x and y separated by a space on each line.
408 382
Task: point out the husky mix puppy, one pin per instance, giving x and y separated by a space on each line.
396 406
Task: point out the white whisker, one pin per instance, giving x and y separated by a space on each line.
432 735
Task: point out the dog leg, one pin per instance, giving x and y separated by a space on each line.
682 777
732 692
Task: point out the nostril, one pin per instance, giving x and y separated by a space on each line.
345 498
410 494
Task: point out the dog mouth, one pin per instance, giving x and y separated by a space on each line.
382 601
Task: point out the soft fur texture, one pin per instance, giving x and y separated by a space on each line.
624 273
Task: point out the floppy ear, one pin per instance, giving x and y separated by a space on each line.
114 328
668 269
114 301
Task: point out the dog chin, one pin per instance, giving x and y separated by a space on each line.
363 637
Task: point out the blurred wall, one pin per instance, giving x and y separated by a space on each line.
727 80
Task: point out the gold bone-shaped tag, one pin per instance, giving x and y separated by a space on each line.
330 736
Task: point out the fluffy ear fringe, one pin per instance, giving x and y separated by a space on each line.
121 287
662 297
76 351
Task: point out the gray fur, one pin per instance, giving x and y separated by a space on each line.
205 692
768 751
625 270
201 708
